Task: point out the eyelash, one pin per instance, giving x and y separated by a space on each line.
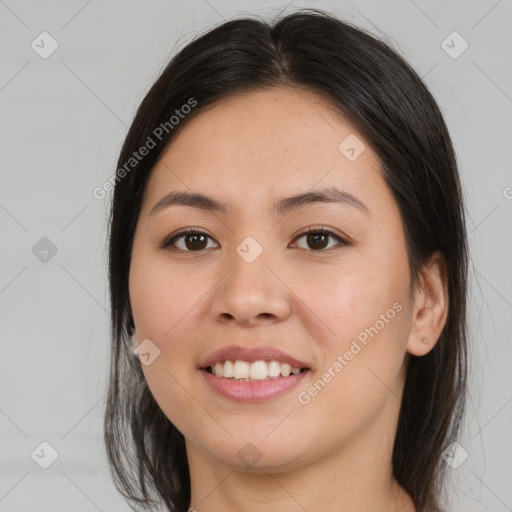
168 242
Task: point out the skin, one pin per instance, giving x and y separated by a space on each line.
250 150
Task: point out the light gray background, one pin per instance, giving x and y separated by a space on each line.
63 120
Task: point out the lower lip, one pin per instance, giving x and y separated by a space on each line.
256 391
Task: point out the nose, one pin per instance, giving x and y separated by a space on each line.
251 294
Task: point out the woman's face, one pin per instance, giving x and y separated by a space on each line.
250 279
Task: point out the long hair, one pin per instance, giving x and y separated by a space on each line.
367 82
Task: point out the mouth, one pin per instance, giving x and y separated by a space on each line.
252 374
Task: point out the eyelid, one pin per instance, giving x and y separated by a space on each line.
315 229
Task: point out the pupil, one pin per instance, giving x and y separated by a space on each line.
314 239
196 244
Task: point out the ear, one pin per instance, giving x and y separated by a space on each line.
430 309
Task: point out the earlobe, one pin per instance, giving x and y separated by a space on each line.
421 341
430 307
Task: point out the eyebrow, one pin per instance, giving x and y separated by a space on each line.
281 207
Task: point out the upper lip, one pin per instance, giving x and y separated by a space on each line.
251 354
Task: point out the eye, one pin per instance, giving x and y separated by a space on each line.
196 240
190 239
318 238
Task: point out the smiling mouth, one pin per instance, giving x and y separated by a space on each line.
257 371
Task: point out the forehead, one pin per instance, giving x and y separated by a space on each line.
273 142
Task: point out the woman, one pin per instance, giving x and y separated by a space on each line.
288 265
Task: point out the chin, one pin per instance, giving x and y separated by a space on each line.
254 453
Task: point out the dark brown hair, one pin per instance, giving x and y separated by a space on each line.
368 83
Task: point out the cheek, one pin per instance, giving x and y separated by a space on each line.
362 311
165 305
173 392
347 297
161 296
357 380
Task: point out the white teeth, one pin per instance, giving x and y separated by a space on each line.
242 369
274 369
228 370
285 370
258 370
219 370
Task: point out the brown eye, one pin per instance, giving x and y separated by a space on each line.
190 240
318 239
195 241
